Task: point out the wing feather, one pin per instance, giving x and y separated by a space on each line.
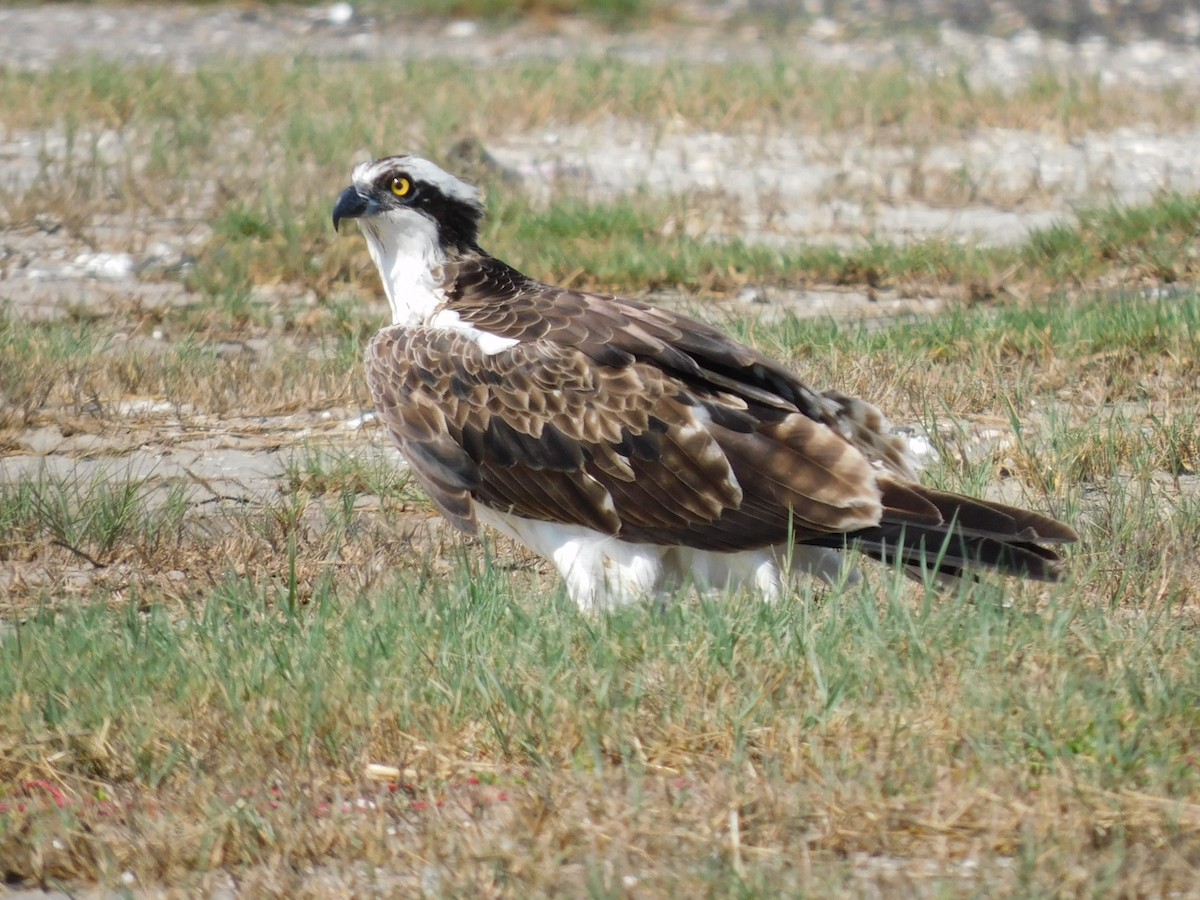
632 451
654 427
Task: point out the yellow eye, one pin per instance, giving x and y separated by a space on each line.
401 186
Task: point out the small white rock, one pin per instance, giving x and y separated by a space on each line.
106 265
339 14
922 450
462 29
752 294
41 441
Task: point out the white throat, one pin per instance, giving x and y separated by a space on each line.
404 247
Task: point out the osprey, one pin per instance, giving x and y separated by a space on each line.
635 448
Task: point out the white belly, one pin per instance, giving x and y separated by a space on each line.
602 572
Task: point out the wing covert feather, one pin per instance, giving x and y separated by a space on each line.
543 431
617 332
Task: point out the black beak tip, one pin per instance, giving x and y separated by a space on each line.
350 205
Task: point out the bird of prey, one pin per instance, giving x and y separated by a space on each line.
635 448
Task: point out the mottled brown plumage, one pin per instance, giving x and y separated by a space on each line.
641 427
644 423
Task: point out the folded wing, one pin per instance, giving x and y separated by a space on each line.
544 432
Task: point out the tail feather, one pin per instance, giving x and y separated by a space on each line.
937 531
988 519
948 553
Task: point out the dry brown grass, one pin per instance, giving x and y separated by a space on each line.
203 677
878 738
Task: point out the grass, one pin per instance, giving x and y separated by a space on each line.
1045 735
193 685
318 104
881 724
94 519
84 372
639 242
329 470
139 142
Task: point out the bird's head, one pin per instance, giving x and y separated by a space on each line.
398 198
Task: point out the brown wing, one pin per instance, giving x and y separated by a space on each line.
645 423
614 331
544 431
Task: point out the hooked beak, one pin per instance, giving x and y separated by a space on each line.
352 205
